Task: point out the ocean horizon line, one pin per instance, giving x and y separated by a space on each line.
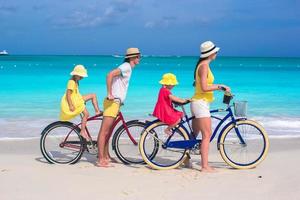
151 55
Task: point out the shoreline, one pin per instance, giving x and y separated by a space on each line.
26 129
23 169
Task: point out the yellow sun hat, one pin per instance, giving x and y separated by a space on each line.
79 70
168 79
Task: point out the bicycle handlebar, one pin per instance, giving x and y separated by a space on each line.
223 88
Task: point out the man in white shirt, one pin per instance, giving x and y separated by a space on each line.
117 82
120 83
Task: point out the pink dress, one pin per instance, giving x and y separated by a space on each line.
164 110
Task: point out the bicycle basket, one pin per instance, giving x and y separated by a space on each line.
240 108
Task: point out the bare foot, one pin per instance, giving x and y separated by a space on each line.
85 135
103 163
111 160
168 131
208 169
187 163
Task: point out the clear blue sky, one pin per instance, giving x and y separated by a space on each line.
157 27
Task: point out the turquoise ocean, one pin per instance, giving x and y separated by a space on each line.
32 87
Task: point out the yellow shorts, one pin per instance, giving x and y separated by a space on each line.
111 108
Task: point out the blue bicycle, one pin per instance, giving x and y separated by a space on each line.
242 143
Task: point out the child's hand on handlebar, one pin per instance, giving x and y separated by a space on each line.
188 100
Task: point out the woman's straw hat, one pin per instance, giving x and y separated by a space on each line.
208 48
168 79
132 52
79 70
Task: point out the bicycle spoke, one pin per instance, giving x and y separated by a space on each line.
125 148
155 137
61 143
161 142
165 156
245 149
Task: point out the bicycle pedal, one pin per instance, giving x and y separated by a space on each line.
92 149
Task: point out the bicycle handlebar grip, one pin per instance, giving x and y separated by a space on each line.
188 101
223 88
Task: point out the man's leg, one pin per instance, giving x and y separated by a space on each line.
102 140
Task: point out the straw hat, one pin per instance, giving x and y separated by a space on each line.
132 52
79 70
208 48
168 79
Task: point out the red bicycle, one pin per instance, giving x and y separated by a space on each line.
62 143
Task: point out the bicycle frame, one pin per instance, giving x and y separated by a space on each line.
121 118
95 118
189 144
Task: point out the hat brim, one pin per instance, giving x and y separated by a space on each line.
133 55
210 53
168 83
78 74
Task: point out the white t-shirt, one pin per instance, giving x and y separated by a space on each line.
120 83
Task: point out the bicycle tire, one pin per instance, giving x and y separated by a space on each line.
61 143
124 147
162 160
248 155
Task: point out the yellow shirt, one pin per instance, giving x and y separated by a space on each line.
76 99
199 94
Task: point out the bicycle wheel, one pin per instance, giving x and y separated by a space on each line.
61 143
154 138
126 148
249 150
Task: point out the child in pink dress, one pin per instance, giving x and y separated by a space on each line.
164 110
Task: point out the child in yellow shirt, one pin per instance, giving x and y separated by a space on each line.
73 103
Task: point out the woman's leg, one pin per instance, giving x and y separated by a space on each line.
196 126
83 124
92 97
102 140
205 128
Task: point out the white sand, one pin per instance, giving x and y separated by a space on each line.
24 174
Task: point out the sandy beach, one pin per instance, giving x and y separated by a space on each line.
25 174
57 56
